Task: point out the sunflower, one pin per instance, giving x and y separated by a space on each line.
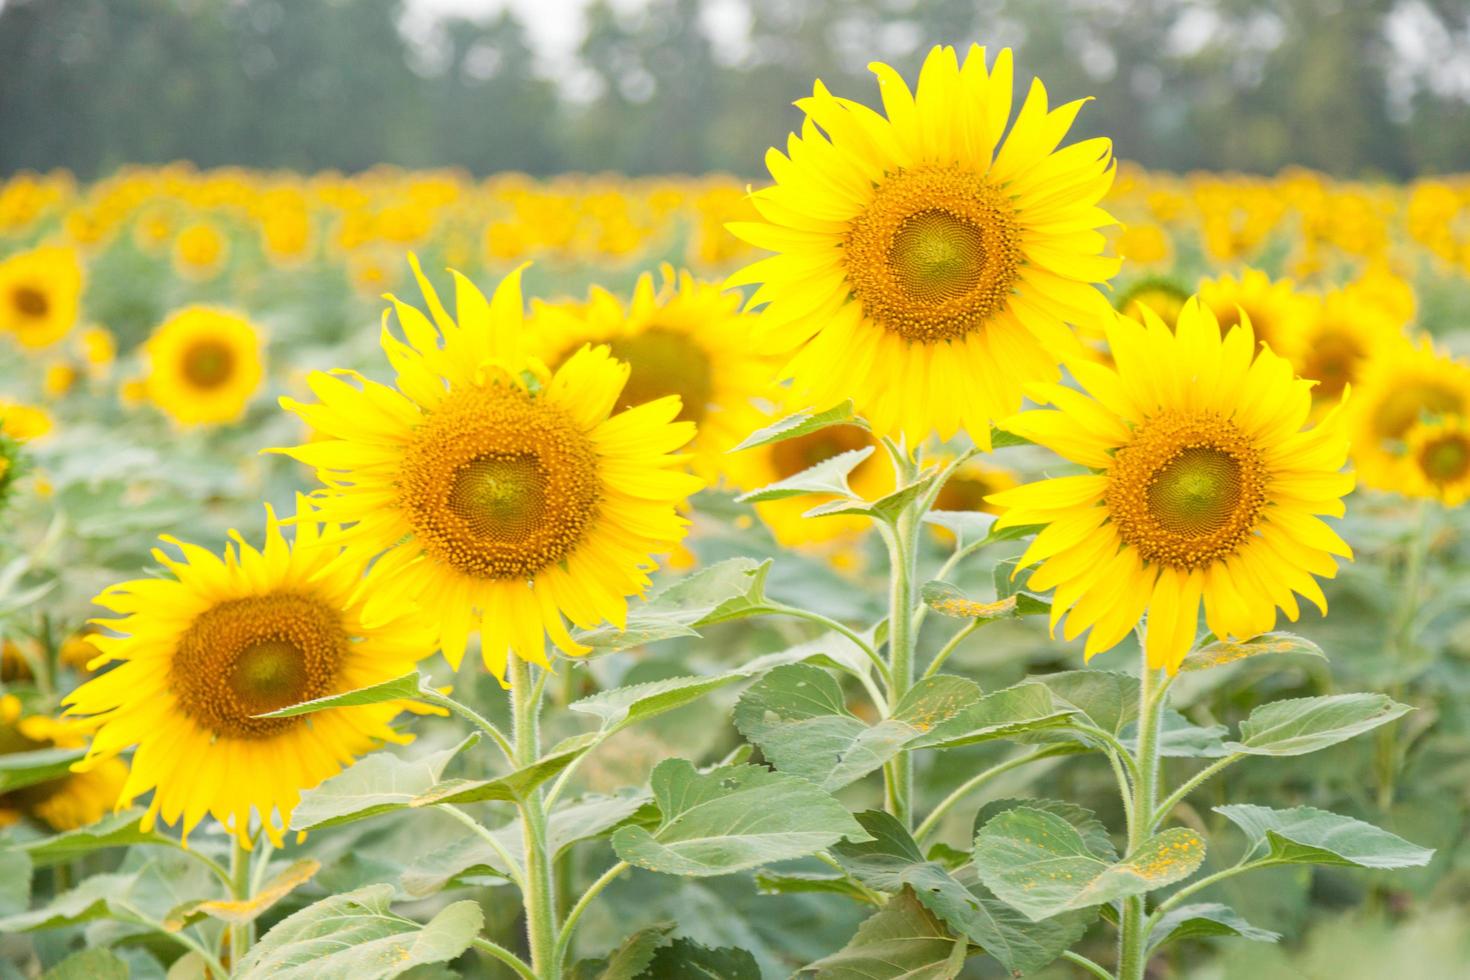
1337 342
24 423
1204 488
1438 455
1275 309
686 338
200 655
40 294
200 251
927 268
504 495
1403 383
203 366
74 800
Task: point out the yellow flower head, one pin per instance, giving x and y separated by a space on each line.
1438 457
198 656
74 800
24 422
1333 346
688 339
204 365
506 497
1275 309
40 294
1205 487
200 251
926 267
1403 383
1160 295
775 461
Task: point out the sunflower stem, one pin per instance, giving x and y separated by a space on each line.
240 934
1401 638
898 773
540 887
1133 938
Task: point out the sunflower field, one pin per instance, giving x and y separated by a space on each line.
955 553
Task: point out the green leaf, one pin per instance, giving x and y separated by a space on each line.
805 883
90 964
732 818
1109 700
629 960
1203 920
1039 864
512 786
15 882
586 818
96 897
725 590
687 958
828 650
1001 439
1095 836
398 689
797 716
116 830
622 706
827 477
892 861
903 941
947 600
885 508
1179 738
1304 835
378 783
20 769
1222 652
800 424
1301 725
1024 707
357 936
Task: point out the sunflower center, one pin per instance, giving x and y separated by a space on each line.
1398 412
31 302
208 363
1187 490
965 491
935 255
1446 459
666 362
1332 362
498 484
245 657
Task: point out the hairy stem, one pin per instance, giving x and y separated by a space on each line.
540 890
1133 938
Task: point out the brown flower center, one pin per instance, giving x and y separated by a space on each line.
1445 459
246 657
1404 406
935 255
499 484
208 363
31 302
1188 489
666 362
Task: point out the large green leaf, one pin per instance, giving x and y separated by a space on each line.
687 958
1094 833
630 959
1024 707
378 783
1305 835
622 706
96 897
732 818
886 508
1107 699
1038 863
722 591
827 477
1203 920
1222 652
797 716
15 882
90 964
513 785
20 769
397 689
1301 725
1180 738
115 830
892 861
902 941
801 424
357 936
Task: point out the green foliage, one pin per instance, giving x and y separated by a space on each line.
1306 835
376 784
